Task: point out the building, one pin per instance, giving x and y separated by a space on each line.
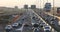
26 6
16 7
58 10
47 7
33 6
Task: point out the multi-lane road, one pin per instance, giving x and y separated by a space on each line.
30 18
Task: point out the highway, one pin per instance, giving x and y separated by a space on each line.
27 19
21 21
41 18
44 16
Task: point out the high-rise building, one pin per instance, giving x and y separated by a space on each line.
16 6
33 6
47 7
26 6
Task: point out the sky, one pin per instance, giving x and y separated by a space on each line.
20 3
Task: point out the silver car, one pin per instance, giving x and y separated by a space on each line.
15 25
8 27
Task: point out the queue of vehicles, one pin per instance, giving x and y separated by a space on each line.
40 23
37 24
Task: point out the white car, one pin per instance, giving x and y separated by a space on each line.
15 25
8 27
52 22
47 28
34 23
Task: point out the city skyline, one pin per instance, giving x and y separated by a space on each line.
20 3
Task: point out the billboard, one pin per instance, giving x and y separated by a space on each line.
47 7
26 6
58 10
33 6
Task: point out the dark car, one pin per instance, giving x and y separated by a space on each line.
8 28
36 30
47 31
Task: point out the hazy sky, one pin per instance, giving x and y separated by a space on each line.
20 3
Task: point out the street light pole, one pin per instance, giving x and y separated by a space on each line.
43 6
40 3
53 8
47 1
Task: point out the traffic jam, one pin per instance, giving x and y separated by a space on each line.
22 25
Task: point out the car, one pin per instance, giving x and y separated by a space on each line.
46 18
42 24
33 17
15 25
8 28
37 19
26 25
47 28
47 31
36 25
52 22
19 29
36 30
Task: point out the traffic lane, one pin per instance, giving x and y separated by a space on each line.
2 27
21 19
49 21
24 18
38 30
20 29
35 21
35 13
55 26
50 17
27 29
42 19
42 15
24 22
24 29
34 18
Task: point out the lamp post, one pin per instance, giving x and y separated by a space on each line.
53 7
47 1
